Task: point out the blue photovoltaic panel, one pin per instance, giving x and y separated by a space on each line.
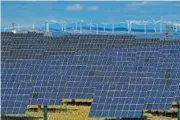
72 67
15 97
161 96
94 67
150 66
123 101
15 87
24 78
48 82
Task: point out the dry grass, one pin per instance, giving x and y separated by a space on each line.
67 112
162 118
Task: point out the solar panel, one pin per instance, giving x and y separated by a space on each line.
48 82
73 66
93 68
15 97
123 101
16 87
16 75
161 96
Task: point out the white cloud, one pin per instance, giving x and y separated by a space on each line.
137 4
79 7
92 8
74 7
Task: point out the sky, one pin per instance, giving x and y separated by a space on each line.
36 12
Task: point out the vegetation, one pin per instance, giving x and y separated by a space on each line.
75 112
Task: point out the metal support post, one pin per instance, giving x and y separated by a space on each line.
178 113
45 110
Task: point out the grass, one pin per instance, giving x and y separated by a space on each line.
73 113
162 118
69 112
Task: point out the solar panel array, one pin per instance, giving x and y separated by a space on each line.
15 86
154 66
44 70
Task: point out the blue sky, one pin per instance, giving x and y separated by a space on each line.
27 13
